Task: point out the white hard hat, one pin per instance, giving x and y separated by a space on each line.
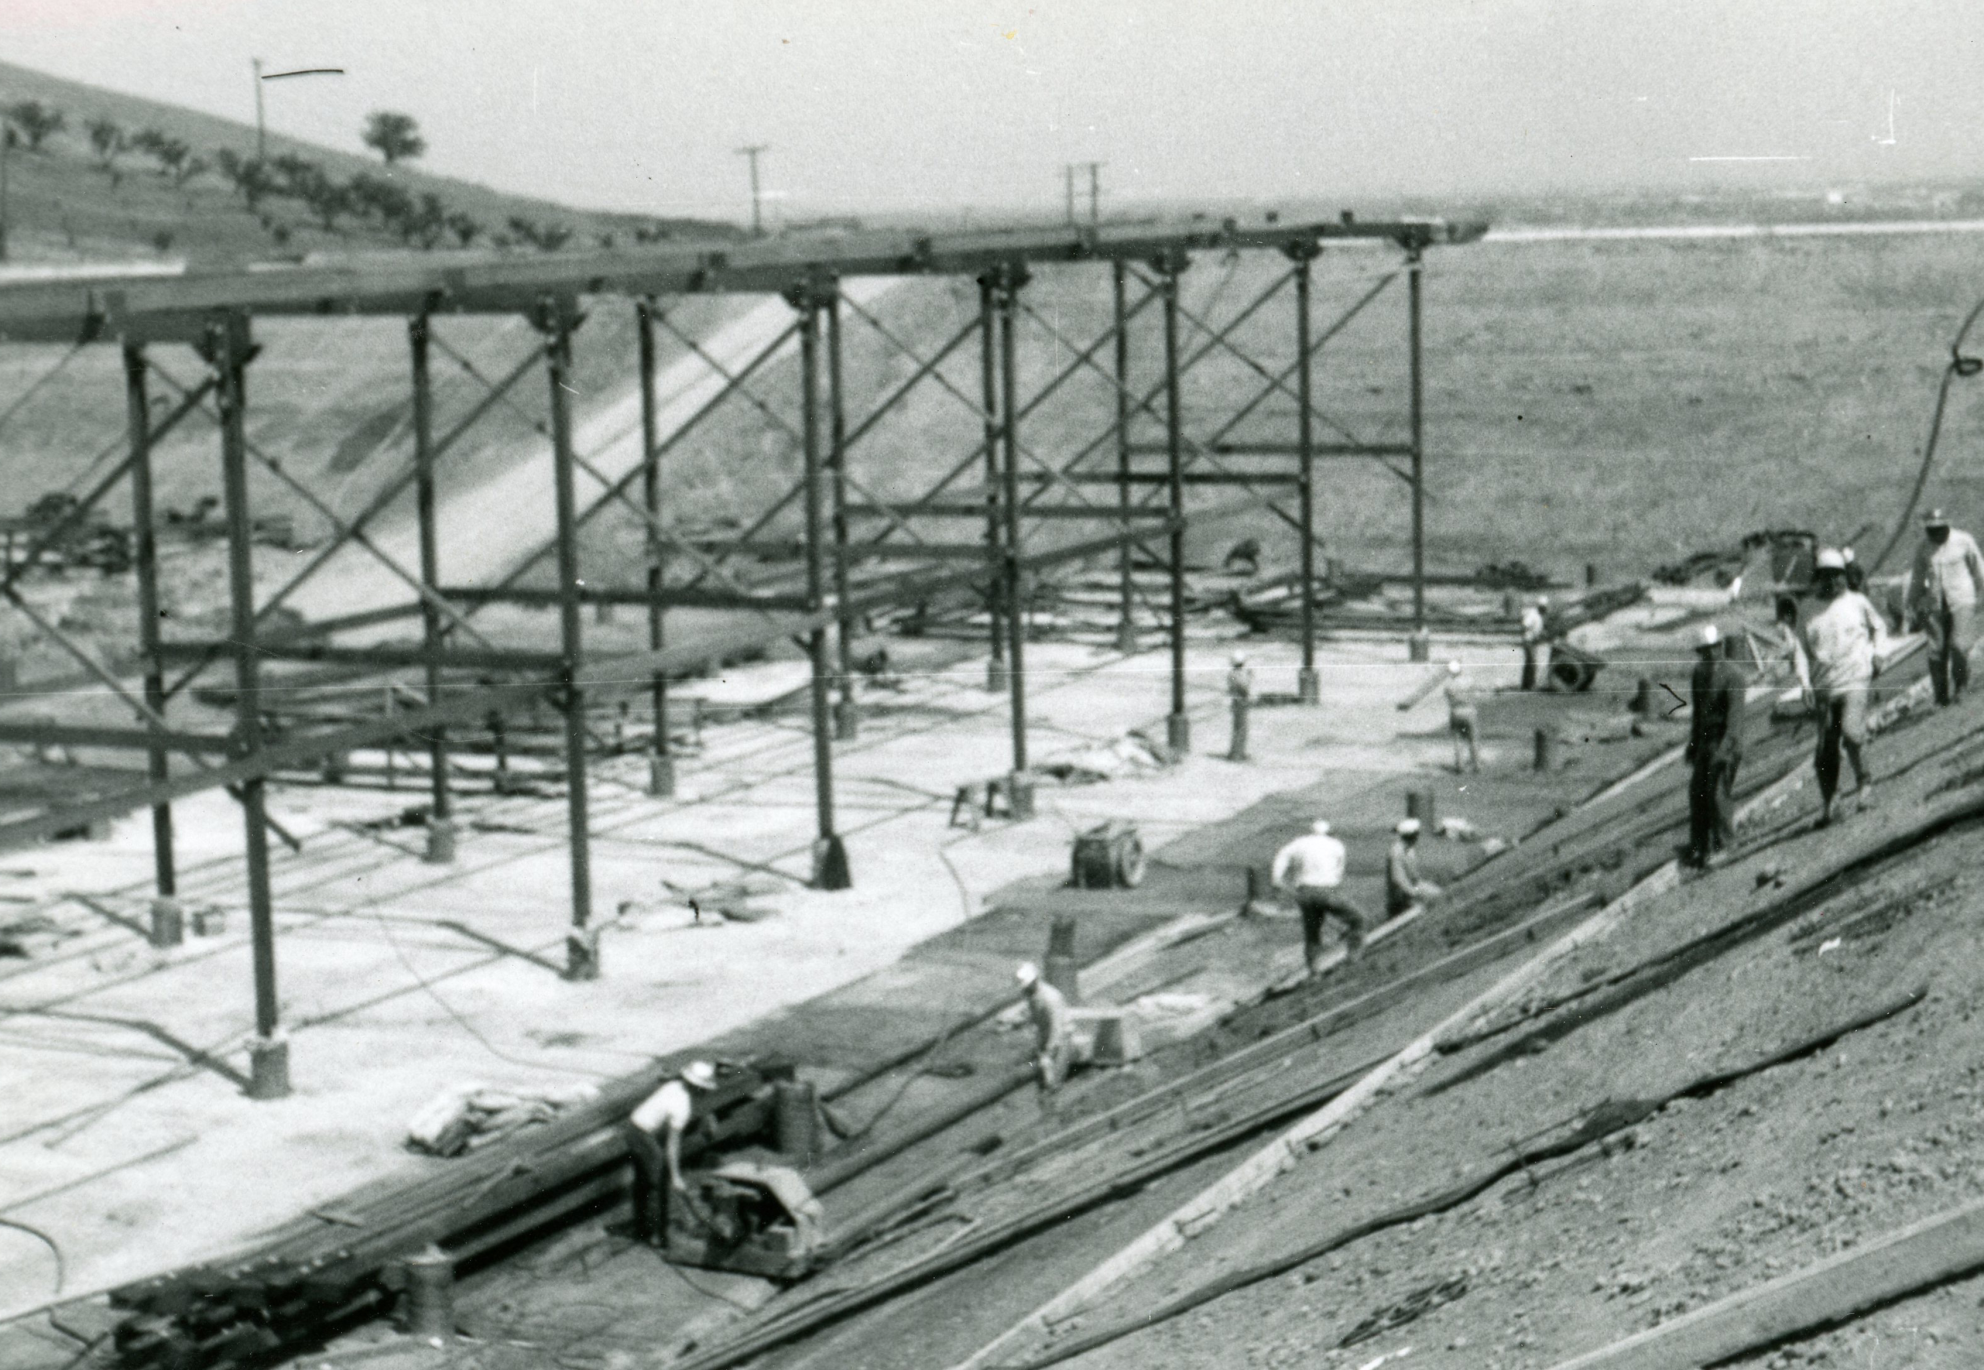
1543 601
1710 635
1239 658
1829 559
700 1074
1320 826
1453 668
1407 827
1936 518
1846 555
1028 974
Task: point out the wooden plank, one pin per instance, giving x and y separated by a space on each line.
1943 1247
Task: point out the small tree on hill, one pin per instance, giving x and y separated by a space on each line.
106 140
464 227
394 136
294 174
327 199
170 153
248 175
188 168
35 121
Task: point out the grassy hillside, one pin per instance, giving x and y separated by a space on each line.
66 202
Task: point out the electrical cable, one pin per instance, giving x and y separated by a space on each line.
61 1265
1959 365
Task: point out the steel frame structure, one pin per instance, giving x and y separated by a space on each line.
858 553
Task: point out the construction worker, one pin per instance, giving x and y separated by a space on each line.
1843 642
1310 869
654 1141
1535 643
1406 889
1053 1028
1786 646
1942 601
1463 716
1856 574
1240 692
1715 746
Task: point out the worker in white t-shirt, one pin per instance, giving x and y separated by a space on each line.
654 1141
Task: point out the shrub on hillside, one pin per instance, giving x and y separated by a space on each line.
463 226
294 175
35 121
172 154
106 140
249 175
395 136
543 237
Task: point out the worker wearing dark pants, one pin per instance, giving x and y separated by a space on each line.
1310 869
1240 692
1943 589
1715 746
1843 644
1535 642
654 1143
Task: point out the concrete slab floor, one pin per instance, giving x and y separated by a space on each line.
127 1138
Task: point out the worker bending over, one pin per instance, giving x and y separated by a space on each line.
1942 602
1463 716
1843 643
1053 1028
654 1140
1310 869
1715 746
1407 890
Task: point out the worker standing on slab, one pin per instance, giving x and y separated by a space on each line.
1053 1028
1942 601
1310 869
1535 645
1407 890
654 1140
1240 693
1843 643
1463 716
1715 746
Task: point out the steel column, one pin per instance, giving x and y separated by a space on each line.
145 563
661 761
227 347
995 670
1010 282
1126 625
1178 726
847 716
1421 647
830 871
1307 687
582 942
440 821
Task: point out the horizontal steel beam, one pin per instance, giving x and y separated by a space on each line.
86 309
29 733
964 509
1163 478
1282 449
454 658
670 598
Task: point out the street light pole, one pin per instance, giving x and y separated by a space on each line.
261 125
757 216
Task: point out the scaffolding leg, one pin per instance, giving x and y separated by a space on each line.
1126 624
440 817
995 669
1421 647
165 908
1020 790
1307 688
1178 725
847 713
268 1054
582 941
830 869
661 760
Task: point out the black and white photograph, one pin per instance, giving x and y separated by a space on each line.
991 684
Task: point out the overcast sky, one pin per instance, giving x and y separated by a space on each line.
902 104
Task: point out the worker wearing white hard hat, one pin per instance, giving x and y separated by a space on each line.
1843 644
1240 695
1407 890
1053 1028
1310 869
1941 600
654 1142
1535 641
1715 746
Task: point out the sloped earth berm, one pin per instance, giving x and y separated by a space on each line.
1706 1197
